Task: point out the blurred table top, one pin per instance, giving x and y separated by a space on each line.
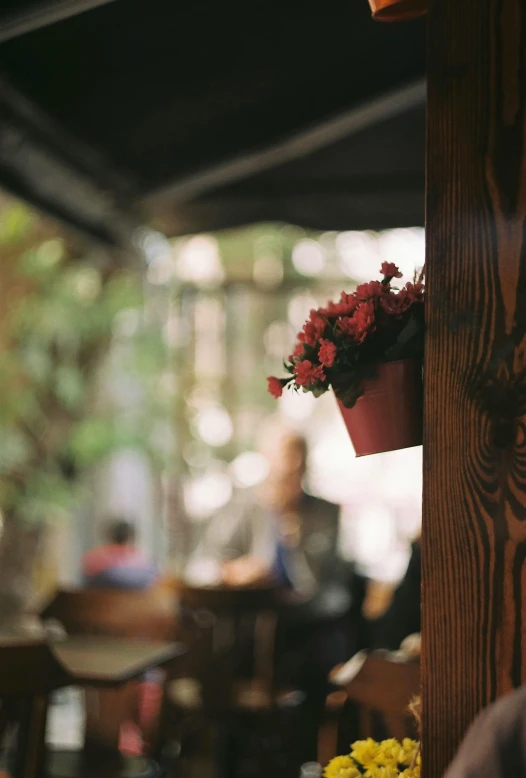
102 661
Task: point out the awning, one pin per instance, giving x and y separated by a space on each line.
207 115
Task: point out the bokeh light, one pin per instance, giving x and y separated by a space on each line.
299 308
249 469
214 426
297 406
308 258
268 271
205 494
199 261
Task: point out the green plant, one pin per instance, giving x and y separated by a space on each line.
62 307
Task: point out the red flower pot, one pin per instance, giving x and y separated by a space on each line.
388 416
397 10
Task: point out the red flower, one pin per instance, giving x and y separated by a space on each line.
361 323
397 303
415 291
327 353
275 387
298 352
313 329
348 299
370 290
345 307
390 269
349 326
307 374
365 315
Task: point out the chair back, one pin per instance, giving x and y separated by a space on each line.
384 688
233 635
150 614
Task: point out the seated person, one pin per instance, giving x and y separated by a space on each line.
280 533
277 533
118 564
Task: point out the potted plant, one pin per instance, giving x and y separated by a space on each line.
397 10
387 759
368 348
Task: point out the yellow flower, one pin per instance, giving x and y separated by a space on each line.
342 767
411 772
408 752
388 759
388 753
365 752
389 771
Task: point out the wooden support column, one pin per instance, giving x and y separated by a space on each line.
474 524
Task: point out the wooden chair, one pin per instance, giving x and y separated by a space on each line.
230 676
150 615
380 692
384 688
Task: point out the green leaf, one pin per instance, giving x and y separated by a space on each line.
42 262
410 341
15 449
92 440
15 222
69 386
47 496
36 363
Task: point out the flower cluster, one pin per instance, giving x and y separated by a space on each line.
388 759
340 344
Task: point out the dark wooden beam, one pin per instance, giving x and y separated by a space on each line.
474 522
31 15
43 165
306 142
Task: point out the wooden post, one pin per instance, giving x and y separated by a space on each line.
474 534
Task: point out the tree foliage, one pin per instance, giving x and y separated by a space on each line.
62 319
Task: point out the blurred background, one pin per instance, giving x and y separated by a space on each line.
138 388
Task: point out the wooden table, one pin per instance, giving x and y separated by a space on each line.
32 668
111 662
106 667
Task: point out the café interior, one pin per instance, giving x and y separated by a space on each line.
208 569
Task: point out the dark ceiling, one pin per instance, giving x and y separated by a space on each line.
204 115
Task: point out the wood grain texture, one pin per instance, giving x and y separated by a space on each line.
474 525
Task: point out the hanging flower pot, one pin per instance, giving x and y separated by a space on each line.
388 415
368 348
397 10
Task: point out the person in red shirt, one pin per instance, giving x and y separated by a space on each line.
118 564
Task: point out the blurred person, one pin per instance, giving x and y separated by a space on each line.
281 533
118 563
495 745
316 632
276 532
